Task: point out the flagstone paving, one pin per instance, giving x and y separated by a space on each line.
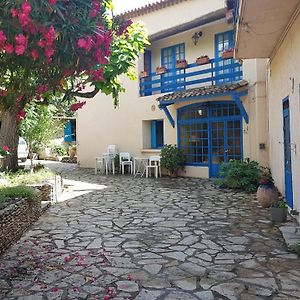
148 239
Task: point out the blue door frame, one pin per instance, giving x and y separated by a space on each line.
288 174
225 136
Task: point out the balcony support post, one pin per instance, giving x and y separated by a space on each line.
168 114
236 98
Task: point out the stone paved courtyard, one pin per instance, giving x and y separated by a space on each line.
146 239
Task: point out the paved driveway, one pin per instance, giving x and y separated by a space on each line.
147 239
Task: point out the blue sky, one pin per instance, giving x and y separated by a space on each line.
124 5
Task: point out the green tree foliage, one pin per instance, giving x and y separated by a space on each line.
40 126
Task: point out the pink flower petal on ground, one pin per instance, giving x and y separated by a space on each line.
76 289
55 290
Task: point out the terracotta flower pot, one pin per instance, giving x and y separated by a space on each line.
227 54
144 74
202 60
161 70
72 152
266 195
181 64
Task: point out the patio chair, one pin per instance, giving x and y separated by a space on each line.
154 163
106 163
125 160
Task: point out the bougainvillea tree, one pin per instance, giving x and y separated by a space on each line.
60 49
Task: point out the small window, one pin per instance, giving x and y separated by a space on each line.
157 134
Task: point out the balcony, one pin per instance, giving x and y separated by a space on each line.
216 72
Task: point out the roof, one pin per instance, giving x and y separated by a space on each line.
202 91
150 8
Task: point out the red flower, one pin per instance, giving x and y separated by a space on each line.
93 13
97 75
20 115
34 54
81 43
74 107
9 48
23 19
5 148
20 49
41 43
26 8
52 2
21 39
49 52
2 37
14 12
50 36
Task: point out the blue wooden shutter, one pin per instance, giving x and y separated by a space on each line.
68 132
153 135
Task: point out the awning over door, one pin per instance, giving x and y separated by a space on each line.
234 90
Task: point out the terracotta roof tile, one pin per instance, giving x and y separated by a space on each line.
150 8
202 91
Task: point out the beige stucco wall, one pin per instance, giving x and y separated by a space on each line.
178 14
100 124
283 81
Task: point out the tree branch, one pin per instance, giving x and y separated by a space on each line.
87 94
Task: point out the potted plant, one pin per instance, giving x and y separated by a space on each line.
72 151
181 63
266 193
172 159
161 70
202 60
228 53
144 74
279 211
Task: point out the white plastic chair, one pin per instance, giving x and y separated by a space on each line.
106 162
125 160
99 165
154 163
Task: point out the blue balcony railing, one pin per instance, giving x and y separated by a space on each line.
216 72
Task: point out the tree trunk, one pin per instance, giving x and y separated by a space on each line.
9 136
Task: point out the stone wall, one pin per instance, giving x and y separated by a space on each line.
15 219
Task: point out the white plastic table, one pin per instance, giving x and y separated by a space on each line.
139 166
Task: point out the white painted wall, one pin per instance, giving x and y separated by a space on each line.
284 80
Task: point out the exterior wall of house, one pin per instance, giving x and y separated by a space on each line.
128 126
284 81
178 14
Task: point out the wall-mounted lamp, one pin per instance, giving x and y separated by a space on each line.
196 37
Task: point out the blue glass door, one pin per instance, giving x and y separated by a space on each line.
169 56
287 154
226 143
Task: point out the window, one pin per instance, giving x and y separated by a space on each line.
70 131
157 134
169 56
210 131
225 41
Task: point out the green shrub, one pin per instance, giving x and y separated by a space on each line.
172 158
23 177
237 174
60 150
20 191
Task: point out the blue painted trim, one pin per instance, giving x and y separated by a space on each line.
153 134
209 120
147 81
240 105
168 114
